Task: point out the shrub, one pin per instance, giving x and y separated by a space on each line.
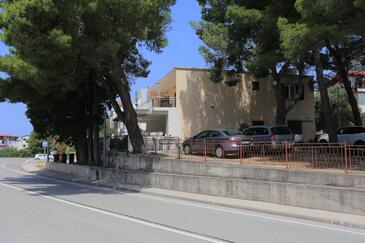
13 153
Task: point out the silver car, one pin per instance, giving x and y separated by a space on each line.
217 142
350 135
276 135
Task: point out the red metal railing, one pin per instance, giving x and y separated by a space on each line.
285 155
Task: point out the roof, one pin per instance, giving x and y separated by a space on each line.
7 135
191 68
336 77
356 72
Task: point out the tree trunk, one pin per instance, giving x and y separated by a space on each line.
90 146
280 102
81 151
350 93
96 146
325 101
130 115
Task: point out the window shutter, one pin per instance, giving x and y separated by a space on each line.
297 90
285 90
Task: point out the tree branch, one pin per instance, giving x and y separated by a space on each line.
113 102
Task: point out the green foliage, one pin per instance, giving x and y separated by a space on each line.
62 52
243 35
15 153
334 29
119 144
35 143
342 114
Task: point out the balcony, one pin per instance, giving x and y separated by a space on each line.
163 101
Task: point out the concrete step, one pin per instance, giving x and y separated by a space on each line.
323 197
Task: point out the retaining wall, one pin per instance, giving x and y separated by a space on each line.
326 190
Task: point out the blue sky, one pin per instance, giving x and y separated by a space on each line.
182 50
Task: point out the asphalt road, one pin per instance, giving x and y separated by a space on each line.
40 209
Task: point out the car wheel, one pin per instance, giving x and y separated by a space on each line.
219 152
362 143
323 141
187 149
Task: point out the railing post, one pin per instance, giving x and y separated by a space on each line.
241 153
205 150
155 145
286 154
346 159
178 149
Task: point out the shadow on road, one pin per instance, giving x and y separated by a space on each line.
50 187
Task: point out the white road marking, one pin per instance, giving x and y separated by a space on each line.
120 216
199 205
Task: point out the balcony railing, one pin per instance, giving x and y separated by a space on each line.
167 101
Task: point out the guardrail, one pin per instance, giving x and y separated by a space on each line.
305 155
167 101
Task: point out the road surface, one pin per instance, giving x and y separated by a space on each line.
40 209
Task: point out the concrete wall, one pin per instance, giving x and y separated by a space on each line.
86 172
173 122
331 191
151 163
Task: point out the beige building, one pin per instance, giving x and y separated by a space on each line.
185 101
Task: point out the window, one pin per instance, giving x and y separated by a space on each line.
256 131
215 134
295 126
255 86
292 90
248 132
260 131
361 98
280 130
231 132
258 123
202 135
352 130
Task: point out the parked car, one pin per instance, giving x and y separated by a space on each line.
40 156
350 135
275 135
43 157
219 142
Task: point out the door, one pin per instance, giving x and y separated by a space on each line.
215 138
260 135
198 145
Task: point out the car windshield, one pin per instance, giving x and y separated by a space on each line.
280 130
231 132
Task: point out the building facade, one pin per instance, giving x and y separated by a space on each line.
185 101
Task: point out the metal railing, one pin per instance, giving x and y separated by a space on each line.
305 155
166 101
338 156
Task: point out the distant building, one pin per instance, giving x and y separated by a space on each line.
6 140
12 141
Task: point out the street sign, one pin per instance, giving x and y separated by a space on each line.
45 144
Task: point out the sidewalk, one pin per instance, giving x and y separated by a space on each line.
342 219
